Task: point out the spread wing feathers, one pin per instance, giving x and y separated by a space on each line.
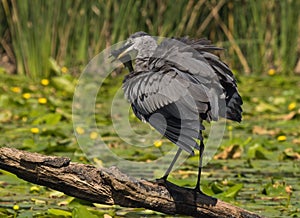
150 91
227 80
179 131
199 44
182 132
225 76
170 104
183 57
193 60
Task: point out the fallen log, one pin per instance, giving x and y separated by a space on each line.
110 186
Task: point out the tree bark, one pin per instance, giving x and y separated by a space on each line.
110 186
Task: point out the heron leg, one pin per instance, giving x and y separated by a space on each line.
172 164
197 188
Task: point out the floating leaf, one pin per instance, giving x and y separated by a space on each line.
275 189
258 152
296 141
56 194
80 211
231 152
264 107
4 100
289 153
51 119
63 84
263 131
58 212
233 191
278 100
38 201
54 66
288 116
27 143
66 202
5 116
216 188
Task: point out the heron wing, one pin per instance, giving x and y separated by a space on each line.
170 103
150 91
195 60
225 76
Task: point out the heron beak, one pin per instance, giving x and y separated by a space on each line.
122 52
126 51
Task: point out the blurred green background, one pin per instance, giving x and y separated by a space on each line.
258 35
45 45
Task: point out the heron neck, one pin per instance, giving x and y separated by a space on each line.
145 52
142 64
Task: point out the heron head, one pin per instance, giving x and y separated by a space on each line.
140 44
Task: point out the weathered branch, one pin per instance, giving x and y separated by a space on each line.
110 186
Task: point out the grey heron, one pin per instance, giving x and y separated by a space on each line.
177 84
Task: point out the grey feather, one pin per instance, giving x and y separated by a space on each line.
182 81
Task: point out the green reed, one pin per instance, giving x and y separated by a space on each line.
257 35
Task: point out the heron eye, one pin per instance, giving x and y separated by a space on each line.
129 41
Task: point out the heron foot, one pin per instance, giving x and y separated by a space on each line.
162 180
197 190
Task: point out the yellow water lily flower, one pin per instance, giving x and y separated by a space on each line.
157 143
34 130
42 100
93 135
26 95
45 82
16 207
15 89
79 130
281 138
34 188
64 70
271 72
292 106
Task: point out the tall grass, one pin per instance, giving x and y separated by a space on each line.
270 31
257 35
26 24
